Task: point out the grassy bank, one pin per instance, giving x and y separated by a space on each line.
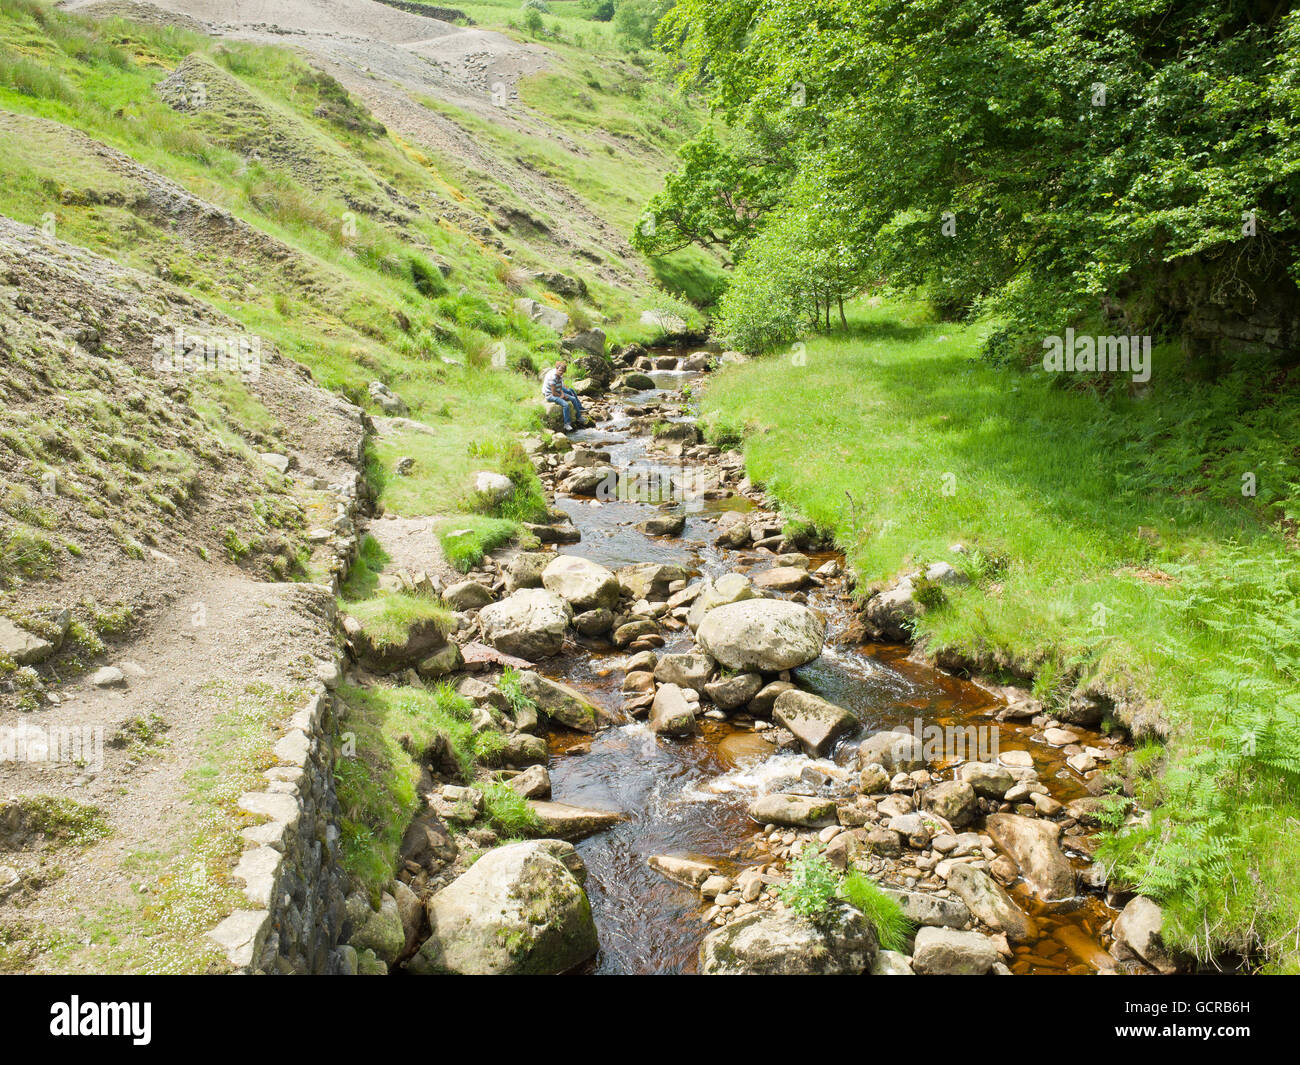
1113 550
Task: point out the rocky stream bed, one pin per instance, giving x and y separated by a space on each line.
709 702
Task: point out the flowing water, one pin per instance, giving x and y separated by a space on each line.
690 797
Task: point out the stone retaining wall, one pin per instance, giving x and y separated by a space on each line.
292 872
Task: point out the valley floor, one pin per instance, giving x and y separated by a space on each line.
1134 548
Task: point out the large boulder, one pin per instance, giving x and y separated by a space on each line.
953 800
1033 845
467 595
1138 933
518 910
530 624
899 752
730 588
784 943
728 693
948 952
590 341
927 910
990 780
558 701
767 635
892 612
595 368
492 487
551 317
670 713
814 722
583 584
989 903
600 482
379 930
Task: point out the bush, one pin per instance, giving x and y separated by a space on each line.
813 884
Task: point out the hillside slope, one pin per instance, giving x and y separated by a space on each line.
332 233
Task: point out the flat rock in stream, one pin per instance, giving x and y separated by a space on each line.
478 656
563 821
558 701
686 871
814 722
1033 845
663 525
989 903
800 811
948 952
782 579
766 635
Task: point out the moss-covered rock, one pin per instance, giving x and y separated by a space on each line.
519 910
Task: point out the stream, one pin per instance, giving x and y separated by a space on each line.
690 797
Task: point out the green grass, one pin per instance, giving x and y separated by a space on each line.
362 580
508 812
1113 549
893 930
466 540
61 820
321 163
387 619
391 730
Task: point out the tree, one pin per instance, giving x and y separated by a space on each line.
714 200
1030 159
806 260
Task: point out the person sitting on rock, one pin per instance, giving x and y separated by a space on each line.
554 390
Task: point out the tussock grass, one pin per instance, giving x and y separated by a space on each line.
388 618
